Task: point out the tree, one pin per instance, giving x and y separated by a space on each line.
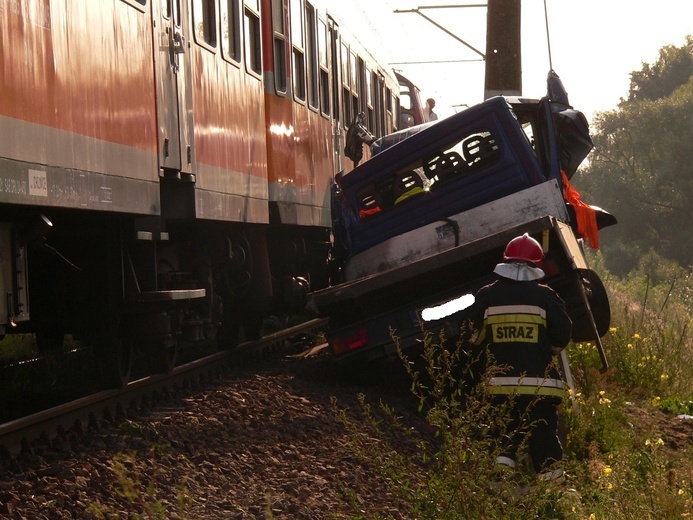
673 68
642 166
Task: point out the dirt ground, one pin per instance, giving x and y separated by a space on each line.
262 443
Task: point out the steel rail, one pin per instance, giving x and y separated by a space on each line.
113 405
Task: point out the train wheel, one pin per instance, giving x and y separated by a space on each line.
252 326
116 362
163 356
228 333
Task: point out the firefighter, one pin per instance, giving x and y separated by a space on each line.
520 325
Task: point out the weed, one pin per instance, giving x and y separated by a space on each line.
620 469
137 482
449 473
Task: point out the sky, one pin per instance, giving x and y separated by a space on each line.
594 46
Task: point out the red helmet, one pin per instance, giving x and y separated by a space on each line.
524 249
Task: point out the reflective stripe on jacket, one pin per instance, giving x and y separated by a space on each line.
525 386
519 326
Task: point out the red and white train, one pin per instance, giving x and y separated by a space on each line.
165 165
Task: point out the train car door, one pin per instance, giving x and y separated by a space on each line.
173 84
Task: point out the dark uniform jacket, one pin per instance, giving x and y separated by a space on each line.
523 324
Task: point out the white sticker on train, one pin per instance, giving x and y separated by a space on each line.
38 184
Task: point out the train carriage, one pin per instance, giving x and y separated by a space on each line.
165 165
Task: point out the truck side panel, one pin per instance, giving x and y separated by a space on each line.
467 226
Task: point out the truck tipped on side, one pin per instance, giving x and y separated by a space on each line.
424 222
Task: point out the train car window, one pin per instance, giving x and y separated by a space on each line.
299 75
253 50
297 34
353 74
312 55
345 64
357 96
395 111
354 109
335 63
368 91
298 56
279 46
378 85
229 12
175 6
324 68
389 106
346 91
405 99
205 22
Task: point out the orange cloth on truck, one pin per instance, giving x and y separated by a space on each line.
366 213
584 214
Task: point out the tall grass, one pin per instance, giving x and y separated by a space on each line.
627 456
446 469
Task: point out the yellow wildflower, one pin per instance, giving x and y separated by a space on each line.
636 336
607 470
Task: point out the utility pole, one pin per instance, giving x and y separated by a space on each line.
503 55
503 49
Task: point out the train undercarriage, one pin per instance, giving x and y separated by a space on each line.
122 285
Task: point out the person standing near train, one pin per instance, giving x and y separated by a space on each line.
519 325
430 114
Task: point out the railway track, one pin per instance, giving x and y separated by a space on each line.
114 406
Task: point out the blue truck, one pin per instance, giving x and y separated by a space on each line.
419 227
